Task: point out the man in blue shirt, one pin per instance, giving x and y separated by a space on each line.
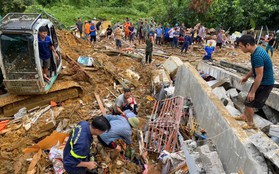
45 45
187 42
159 32
166 36
262 71
121 128
208 51
76 156
93 32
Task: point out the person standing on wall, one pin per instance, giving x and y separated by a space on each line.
262 71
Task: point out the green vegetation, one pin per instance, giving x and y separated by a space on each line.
234 14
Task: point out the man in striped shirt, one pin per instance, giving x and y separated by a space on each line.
262 71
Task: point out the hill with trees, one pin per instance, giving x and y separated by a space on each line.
233 14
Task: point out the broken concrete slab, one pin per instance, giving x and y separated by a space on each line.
274 130
210 160
214 82
260 122
171 64
192 157
232 93
256 154
234 80
220 92
161 77
271 114
229 143
233 111
267 147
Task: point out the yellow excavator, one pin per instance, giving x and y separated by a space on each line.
21 68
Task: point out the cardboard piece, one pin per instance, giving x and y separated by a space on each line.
47 142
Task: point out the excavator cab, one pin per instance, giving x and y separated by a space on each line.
19 54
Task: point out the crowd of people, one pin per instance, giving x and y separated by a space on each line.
178 36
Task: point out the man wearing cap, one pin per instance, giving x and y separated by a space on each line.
76 153
121 128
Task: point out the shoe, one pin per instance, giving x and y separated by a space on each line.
240 118
247 126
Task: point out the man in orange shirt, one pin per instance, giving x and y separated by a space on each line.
87 30
127 31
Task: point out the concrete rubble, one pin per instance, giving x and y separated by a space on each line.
230 135
274 130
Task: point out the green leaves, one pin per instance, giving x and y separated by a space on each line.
234 14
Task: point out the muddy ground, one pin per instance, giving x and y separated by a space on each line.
103 81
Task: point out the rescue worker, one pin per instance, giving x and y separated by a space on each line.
120 129
76 156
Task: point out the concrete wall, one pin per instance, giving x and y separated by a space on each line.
232 143
234 80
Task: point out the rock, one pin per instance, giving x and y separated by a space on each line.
49 125
274 130
242 96
232 93
133 75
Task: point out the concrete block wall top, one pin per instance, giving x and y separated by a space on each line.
225 132
221 74
234 80
171 64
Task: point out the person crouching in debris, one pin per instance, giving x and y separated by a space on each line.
76 156
120 129
124 102
149 48
208 51
262 71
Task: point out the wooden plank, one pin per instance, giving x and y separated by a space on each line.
100 104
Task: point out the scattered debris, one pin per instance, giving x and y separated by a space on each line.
163 125
85 61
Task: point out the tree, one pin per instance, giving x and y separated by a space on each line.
14 6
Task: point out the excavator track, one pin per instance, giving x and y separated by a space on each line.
61 91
